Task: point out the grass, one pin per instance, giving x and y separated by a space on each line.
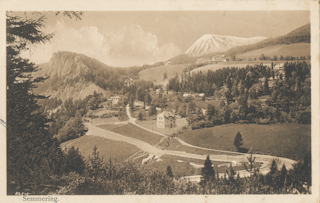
156 74
107 149
285 140
110 126
295 50
131 130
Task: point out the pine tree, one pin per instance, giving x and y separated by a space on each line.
207 171
95 165
238 141
32 153
169 171
28 142
74 161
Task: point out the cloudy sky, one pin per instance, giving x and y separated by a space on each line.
136 38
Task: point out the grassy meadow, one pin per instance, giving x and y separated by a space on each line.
106 148
295 50
131 130
156 74
285 140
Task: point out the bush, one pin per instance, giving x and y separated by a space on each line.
202 124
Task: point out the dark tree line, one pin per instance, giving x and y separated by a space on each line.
33 155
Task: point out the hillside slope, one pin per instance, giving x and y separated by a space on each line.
294 50
299 35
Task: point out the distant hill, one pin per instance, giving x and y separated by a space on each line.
299 35
210 43
294 50
156 74
74 75
64 63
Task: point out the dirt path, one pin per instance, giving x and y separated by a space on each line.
265 159
155 152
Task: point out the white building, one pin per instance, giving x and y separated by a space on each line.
115 99
165 119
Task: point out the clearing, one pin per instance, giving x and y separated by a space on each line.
156 74
295 50
106 148
284 140
133 131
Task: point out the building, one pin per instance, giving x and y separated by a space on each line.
167 63
115 99
166 119
138 104
204 111
220 58
192 179
203 61
128 82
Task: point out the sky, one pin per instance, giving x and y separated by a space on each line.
129 38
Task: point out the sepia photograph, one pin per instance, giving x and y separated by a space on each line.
171 102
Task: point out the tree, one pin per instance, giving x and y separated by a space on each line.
32 153
141 115
169 171
266 86
238 141
152 110
74 161
95 165
165 76
147 99
262 57
207 171
210 111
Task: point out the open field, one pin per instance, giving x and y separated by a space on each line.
130 130
106 148
285 140
156 74
237 64
295 50
110 126
152 125
178 168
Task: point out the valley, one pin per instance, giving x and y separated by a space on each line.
153 153
159 103
134 136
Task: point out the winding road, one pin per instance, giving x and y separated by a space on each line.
155 152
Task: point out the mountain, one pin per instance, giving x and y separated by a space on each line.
73 75
299 35
64 63
210 43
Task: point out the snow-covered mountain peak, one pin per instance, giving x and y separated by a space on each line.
210 43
